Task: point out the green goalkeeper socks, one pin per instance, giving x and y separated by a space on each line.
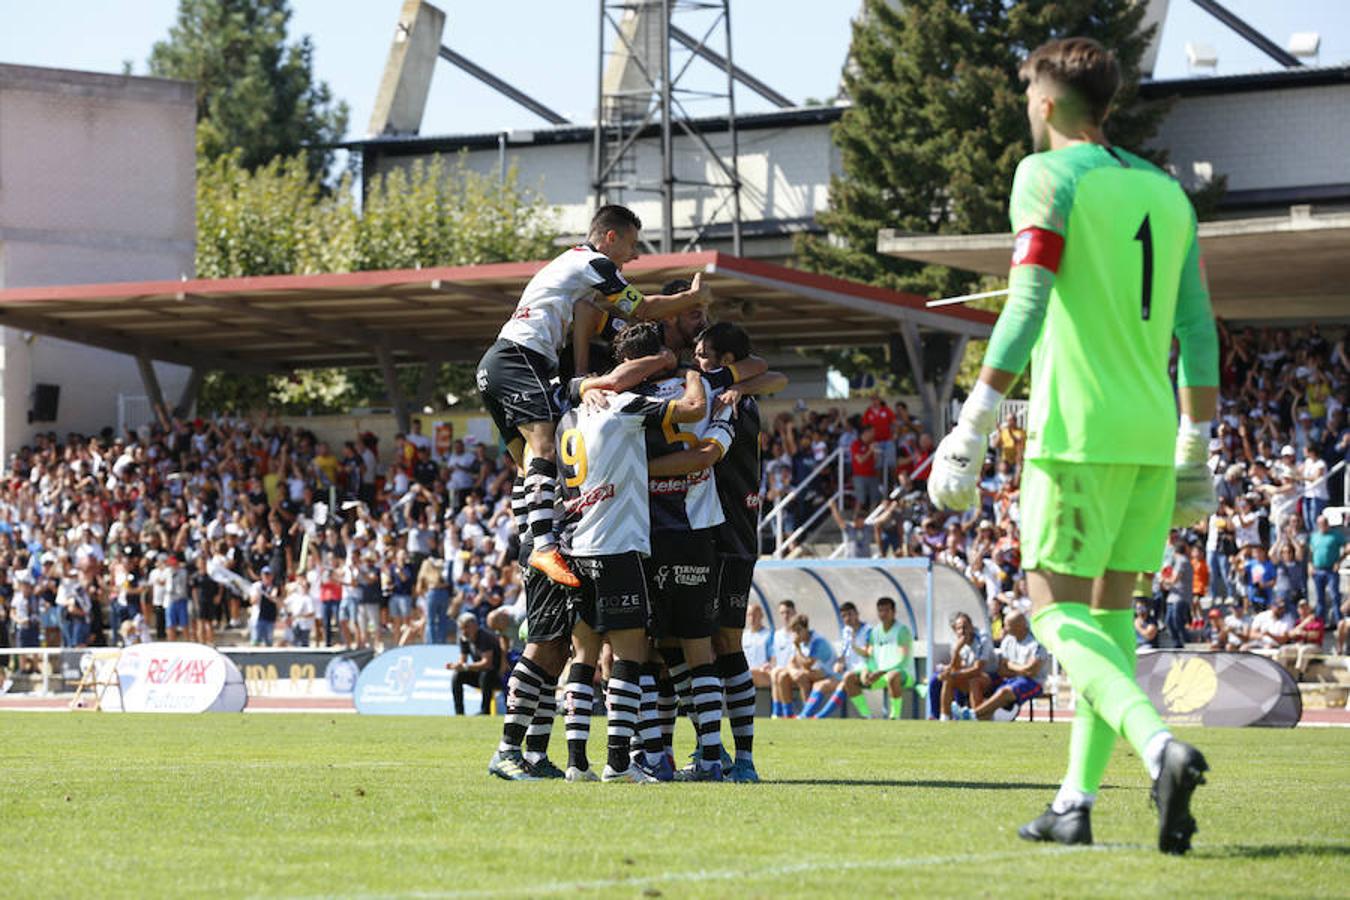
897 707
1100 672
860 704
1092 740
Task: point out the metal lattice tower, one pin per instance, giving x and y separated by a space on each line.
650 75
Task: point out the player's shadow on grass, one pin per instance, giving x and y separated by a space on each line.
1272 851
887 782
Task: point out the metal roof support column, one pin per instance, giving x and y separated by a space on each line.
188 399
944 398
427 383
909 333
151 382
391 387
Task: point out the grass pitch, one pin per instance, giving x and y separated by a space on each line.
315 805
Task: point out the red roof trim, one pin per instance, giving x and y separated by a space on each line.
702 261
734 264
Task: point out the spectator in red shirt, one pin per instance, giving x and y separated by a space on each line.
881 419
1308 629
866 486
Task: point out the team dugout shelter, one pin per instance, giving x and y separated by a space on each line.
1268 271
281 324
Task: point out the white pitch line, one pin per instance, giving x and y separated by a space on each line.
833 865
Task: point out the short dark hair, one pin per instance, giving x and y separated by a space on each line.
885 601
847 606
613 217
639 339
724 337
1080 64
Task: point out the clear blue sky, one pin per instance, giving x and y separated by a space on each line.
547 47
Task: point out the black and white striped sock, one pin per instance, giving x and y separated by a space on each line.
623 697
522 696
541 726
520 505
708 706
680 678
739 689
650 732
579 696
667 710
541 483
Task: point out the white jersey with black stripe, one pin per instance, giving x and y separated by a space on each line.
602 455
702 506
543 317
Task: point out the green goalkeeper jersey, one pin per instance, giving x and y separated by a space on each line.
892 649
1125 263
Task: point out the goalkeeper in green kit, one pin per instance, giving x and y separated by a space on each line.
1105 272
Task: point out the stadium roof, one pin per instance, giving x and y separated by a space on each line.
287 322
1292 268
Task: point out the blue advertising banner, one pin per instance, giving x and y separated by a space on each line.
412 681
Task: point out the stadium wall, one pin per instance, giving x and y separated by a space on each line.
1265 141
97 184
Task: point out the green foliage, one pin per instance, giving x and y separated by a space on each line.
322 805
938 125
256 94
277 220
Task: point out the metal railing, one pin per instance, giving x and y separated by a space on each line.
774 517
45 664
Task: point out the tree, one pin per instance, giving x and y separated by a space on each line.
938 124
255 92
277 220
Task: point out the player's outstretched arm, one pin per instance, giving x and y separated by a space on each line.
685 462
667 305
764 383
693 405
629 373
1198 392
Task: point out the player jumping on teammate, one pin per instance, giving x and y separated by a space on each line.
1105 272
517 375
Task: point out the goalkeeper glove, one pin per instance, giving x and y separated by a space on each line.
954 482
1195 484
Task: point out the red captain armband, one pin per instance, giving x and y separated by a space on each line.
1038 247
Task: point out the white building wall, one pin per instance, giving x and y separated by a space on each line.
1263 139
785 174
96 185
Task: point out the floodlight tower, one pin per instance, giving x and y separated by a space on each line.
650 73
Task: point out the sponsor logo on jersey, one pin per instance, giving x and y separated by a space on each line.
689 576
698 477
522 313
667 485
579 504
752 501
482 378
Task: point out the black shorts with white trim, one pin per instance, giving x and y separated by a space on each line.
549 607
680 576
613 591
734 577
516 385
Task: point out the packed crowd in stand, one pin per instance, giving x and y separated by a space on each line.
188 527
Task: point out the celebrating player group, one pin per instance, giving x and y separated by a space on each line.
637 514
660 470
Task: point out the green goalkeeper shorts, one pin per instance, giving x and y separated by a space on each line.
1084 518
906 679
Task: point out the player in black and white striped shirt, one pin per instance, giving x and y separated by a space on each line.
604 463
515 377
